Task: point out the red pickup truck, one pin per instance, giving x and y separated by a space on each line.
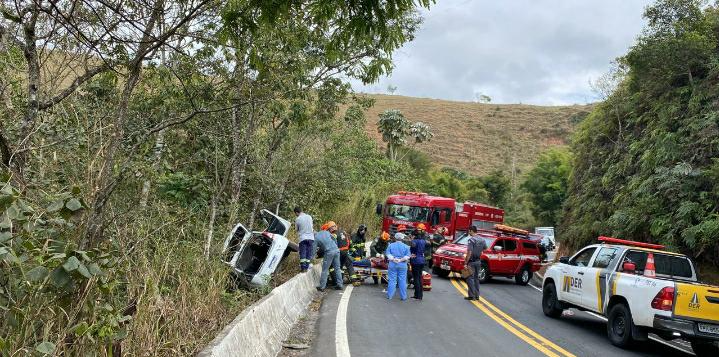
510 253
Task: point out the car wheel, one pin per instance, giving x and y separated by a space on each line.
705 348
484 273
550 303
523 277
440 272
620 326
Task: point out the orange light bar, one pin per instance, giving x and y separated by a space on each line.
630 243
505 228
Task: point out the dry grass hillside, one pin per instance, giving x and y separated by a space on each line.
479 138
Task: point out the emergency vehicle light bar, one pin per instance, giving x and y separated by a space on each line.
630 243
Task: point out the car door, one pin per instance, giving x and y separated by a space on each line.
595 278
277 228
573 276
509 256
233 244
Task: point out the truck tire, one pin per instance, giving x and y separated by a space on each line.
440 272
550 304
484 273
620 326
705 348
524 276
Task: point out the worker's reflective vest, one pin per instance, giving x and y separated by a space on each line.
343 242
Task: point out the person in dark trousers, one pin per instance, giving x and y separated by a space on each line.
417 259
344 244
475 246
327 247
438 239
358 242
306 234
379 245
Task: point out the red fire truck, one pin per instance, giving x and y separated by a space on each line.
413 208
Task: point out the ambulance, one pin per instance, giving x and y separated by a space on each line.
641 289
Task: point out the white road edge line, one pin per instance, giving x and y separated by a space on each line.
650 337
342 346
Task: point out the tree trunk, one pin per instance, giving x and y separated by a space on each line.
211 225
33 86
156 159
242 134
107 180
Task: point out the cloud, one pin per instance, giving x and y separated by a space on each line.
528 51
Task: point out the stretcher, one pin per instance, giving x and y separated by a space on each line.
376 268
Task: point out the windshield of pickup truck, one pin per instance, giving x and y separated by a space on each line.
465 239
669 266
408 213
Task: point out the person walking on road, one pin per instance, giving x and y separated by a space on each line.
306 234
327 247
417 248
475 246
398 254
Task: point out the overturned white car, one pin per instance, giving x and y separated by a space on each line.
254 256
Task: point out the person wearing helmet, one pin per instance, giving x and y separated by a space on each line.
421 233
327 247
379 245
417 260
358 242
398 254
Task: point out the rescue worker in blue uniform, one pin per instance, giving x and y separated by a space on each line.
327 248
398 254
417 248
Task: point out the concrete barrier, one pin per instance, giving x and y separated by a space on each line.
262 327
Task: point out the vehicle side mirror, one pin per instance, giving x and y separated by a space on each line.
564 260
629 267
378 209
497 248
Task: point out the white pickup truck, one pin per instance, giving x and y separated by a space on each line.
616 279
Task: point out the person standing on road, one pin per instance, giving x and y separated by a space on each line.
417 248
327 247
306 234
437 240
475 246
398 254
344 244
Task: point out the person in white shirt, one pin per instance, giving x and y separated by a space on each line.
303 223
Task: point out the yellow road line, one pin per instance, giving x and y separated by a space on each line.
507 326
525 328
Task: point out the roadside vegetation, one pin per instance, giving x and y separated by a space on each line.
646 161
134 135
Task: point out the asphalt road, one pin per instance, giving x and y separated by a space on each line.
508 321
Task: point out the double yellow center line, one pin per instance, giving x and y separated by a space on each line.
523 332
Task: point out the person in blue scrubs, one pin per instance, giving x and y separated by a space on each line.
398 254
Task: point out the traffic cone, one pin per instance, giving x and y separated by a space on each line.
649 269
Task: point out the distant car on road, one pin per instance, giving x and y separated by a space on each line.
640 289
254 256
510 253
548 236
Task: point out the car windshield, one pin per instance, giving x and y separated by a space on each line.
408 213
463 240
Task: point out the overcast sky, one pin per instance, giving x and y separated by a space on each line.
529 51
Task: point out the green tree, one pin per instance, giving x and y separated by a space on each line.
546 184
498 187
396 130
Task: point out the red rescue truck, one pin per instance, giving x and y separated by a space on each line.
413 208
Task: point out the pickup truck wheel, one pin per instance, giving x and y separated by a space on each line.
523 277
440 272
550 304
620 326
484 273
705 348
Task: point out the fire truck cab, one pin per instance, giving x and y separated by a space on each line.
413 208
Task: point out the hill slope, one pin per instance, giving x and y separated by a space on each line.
479 138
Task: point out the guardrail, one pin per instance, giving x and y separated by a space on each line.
261 328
